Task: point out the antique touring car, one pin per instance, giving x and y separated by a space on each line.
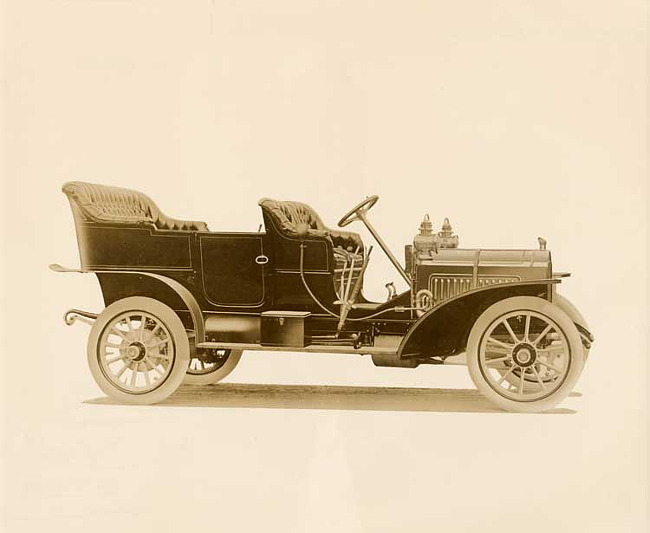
183 303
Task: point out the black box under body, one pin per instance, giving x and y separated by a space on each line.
284 328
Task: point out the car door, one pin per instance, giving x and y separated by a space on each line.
233 267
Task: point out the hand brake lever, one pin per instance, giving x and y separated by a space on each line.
347 303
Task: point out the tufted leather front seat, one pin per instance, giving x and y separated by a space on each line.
101 203
287 215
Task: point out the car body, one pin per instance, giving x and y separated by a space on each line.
183 302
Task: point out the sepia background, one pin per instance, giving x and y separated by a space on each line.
515 119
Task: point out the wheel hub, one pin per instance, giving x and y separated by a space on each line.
136 351
524 355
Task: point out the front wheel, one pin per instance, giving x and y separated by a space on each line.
138 350
524 354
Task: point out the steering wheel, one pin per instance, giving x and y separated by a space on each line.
353 214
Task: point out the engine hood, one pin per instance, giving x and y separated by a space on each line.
489 258
452 271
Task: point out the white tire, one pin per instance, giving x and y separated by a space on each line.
201 372
531 338
138 350
575 315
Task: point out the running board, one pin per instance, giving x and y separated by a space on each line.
311 348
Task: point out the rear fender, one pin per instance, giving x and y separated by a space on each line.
444 330
118 284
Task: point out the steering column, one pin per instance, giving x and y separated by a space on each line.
359 213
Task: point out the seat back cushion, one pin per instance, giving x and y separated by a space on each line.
287 215
101 203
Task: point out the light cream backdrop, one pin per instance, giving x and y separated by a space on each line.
514 119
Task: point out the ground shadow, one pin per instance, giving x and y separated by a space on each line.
253 396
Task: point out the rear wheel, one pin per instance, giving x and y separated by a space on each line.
525 354
211 366
138 350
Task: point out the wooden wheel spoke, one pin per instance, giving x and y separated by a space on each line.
522 379
151 367
555 348
116 358
119 332
542 334
539 378
512 333
156 343
527 327
113 345
490 362
548 365
498 350
499 343
122 370
154 367
134 375
505 375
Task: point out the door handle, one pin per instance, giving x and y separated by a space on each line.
261 259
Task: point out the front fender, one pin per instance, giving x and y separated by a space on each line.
578 320
444 329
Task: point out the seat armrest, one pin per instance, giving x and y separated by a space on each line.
166 222
319 233
346 239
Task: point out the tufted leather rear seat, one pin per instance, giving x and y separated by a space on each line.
101 203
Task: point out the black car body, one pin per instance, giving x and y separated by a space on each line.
298 284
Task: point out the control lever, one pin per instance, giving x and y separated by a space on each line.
346 303
344 289
349 282
392 291
341 291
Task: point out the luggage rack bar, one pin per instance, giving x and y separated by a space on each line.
311 348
